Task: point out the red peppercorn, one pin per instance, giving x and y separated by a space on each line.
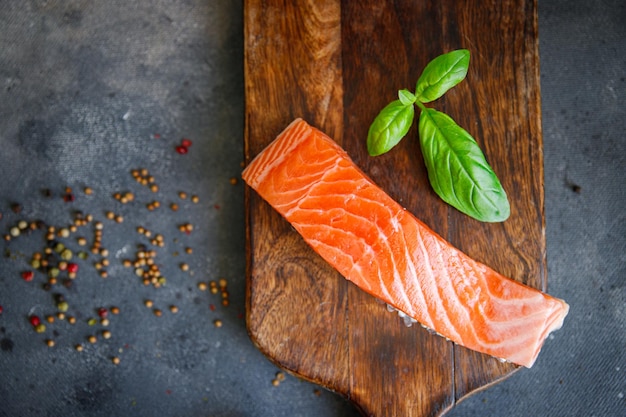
72 267
68 197
34 321
186 142
1 309
28 275
102 312
181 149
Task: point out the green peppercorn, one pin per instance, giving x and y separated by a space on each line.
62 306
66 254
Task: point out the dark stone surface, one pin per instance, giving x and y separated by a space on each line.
86 87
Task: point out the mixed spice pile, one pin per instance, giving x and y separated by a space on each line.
68 253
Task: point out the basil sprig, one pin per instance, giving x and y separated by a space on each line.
457 168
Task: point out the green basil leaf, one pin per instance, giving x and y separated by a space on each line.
389 127
406 97
457 169
441 74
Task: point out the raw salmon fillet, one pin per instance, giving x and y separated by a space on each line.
386 251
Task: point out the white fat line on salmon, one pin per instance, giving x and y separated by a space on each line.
450 327
413 282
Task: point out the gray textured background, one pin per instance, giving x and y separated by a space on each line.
85 86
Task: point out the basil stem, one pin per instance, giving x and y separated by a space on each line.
441 74
457 169
389 127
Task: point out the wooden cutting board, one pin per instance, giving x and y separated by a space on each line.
336 64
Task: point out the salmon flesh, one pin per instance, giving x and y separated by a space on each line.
386 251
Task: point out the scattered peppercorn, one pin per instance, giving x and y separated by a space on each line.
115 360
66 254
217 323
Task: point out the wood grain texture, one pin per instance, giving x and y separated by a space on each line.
336 64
